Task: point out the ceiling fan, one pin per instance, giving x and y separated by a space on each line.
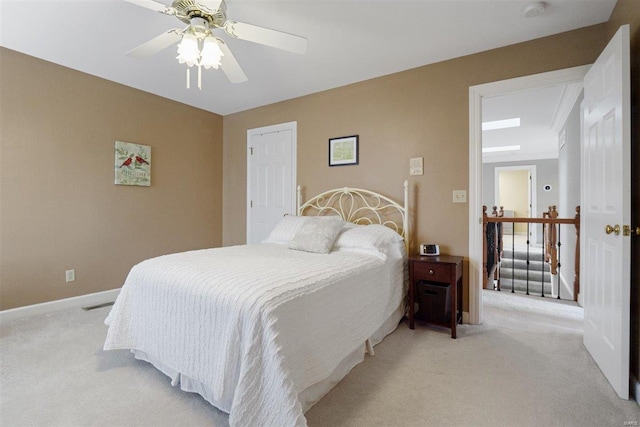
204 16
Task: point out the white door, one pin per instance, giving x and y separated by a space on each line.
271 172
606 183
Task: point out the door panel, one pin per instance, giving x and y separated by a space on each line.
605 257
271 178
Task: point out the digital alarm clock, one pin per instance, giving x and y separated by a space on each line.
429 250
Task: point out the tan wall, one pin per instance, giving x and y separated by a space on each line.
420 112
59 206
628 12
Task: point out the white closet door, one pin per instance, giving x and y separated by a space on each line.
271 179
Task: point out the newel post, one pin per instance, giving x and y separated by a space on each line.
576 279
553 240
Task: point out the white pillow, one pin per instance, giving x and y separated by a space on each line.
317 235
286 229
374 237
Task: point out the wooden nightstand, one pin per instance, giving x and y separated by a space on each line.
440 270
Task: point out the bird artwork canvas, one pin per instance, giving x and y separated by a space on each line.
133 164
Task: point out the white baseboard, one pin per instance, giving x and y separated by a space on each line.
580 299
566 288
635 389
61 304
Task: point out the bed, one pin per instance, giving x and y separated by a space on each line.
263 331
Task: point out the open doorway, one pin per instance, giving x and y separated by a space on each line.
477 94
524 128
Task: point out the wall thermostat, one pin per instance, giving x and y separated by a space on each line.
429 250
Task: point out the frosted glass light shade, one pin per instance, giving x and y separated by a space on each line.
188 52
211 53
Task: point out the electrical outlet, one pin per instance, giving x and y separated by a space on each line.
70 275
459 196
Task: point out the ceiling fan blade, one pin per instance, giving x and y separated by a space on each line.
266 36
154 5
212 5
230 66
156 44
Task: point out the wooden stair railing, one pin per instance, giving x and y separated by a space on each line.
550 223
551 245
551 239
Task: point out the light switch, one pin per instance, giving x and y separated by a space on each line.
70 275
460 196
416 166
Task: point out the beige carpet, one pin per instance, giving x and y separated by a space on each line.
525 365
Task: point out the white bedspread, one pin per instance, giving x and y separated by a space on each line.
255 324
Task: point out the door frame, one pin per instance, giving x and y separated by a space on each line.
476 94
293 127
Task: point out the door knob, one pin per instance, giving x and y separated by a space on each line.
609 229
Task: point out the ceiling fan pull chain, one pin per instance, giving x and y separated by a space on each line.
188 86
199 77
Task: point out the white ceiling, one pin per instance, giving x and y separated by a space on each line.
542 113
349 41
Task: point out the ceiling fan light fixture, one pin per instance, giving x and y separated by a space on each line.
188 52
211 54
197 44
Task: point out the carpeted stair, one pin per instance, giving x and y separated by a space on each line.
513 269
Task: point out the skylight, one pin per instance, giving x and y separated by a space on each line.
501 124
502 148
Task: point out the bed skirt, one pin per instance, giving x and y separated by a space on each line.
308 397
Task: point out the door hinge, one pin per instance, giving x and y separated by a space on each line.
628 230
251 203
251 151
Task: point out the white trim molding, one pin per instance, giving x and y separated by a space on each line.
61 304
568 99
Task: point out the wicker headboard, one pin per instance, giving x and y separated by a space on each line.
360 207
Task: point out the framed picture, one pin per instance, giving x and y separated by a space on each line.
343 151
133 164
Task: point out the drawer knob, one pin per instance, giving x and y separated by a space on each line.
431 272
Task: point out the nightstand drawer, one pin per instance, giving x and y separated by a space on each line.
432 272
